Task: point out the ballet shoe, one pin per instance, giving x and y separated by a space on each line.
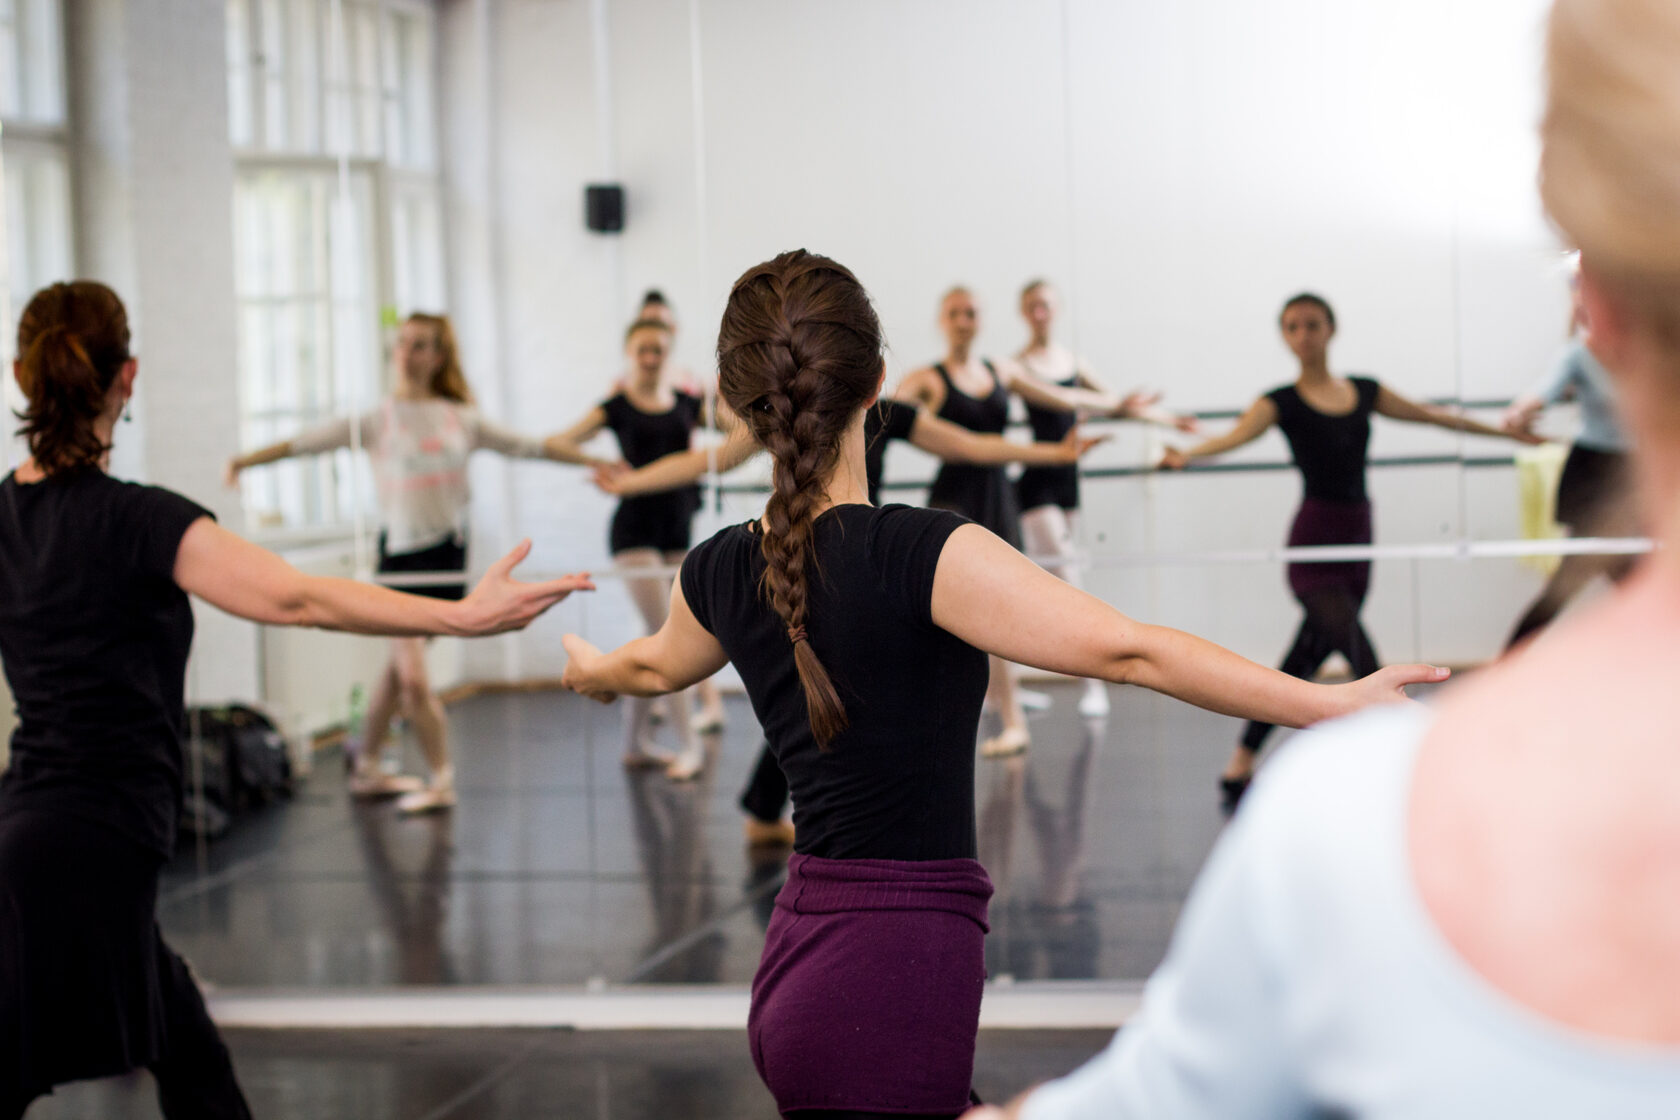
647 758
1033 700
1231 792
706 723
768 834
432 799
1094 704
685 768
379 784
1009 741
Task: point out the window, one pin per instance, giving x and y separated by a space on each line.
338 220
34 153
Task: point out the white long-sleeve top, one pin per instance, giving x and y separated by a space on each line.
1306 978
419 453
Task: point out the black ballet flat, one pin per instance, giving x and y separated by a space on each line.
1231 792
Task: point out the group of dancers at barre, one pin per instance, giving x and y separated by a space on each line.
918 616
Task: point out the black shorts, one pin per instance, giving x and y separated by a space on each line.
657 521
446 556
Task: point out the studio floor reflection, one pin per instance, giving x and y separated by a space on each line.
559 867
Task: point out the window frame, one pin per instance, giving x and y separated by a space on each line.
387 180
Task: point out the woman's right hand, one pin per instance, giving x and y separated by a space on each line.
581 657
1385 686
1075 444
501 603
1173 459
1520 418
230 476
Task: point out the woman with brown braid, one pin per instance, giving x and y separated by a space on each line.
861 635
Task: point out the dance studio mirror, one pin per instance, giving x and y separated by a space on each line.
1173 172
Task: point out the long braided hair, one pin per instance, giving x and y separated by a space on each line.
799 355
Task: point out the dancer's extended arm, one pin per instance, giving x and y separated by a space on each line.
229 572
992 597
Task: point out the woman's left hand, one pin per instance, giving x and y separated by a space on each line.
581 658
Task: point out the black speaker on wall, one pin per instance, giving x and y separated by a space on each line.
603 207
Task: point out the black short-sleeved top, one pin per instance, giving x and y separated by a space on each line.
94 634
645 519
1330 450
885 420
898 783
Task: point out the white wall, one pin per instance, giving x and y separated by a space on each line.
1178 168
154 196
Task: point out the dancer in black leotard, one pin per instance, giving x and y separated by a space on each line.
1327 421
867 999
95 631
765 797
975 394
650 420
1049 496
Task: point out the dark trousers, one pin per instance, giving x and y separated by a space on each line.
766 794
1331 625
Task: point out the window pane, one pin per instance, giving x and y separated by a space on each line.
309 347
11 78
41 65
303 75
239 73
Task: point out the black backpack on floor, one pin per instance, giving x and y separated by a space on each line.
241 762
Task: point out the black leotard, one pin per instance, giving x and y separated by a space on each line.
661 520
980 493
1330 450
1050 486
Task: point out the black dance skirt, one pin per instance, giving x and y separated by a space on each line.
445 556
1593 484
82 965
984 495
1048 486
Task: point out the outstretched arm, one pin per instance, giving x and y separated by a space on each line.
955 443
678 469
229 572
1396 407
330 436
681 653
1250 426
567 446
995 599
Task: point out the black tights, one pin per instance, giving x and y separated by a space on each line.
767 790
1331 626
1574 573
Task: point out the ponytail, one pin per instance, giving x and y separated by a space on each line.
73 339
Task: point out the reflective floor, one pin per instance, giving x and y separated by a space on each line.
528 1075
559 867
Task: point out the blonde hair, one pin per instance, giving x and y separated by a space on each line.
1610 164
449 382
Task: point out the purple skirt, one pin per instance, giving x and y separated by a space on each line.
868 994
1319 522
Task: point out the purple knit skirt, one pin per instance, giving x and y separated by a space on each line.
1319 522
868 995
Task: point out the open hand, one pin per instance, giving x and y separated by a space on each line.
581 658
1075 444
500 603
230 475
1388 686
608 477
1137 404
1173 459
1187 423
